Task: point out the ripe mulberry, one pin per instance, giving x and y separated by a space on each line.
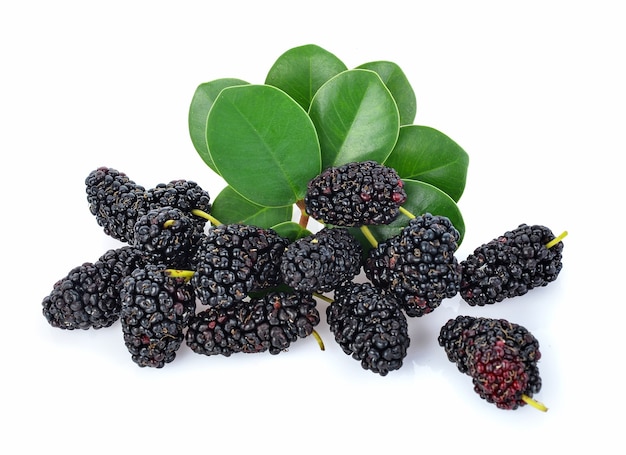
184 195
321 261
501 358
116 201
510 265
269 323
156 309
418 265
89 295
234 259
168 234
369 325
355 194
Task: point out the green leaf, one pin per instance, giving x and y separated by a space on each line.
399 86
229 207
421 198
301 71
291 230
356 118
425 154
263 144
201 103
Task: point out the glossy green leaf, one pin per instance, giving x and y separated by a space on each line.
229 207
263 144
425 154
201 103
356 118
399 86
291 230
421 198
301 71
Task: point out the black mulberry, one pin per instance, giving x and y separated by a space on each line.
418 265
89 295
168 234
321 261
116 201
269 323
234 259
511 265
369 325
156 309
355 194
184 195
501 358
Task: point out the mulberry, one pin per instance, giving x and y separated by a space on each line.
89 295
269 323
168 234
321 261
156 308
511 265
116 201
418 265
369 325
184 195
501 358
355 194
234 259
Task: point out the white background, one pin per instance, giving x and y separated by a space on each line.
533 91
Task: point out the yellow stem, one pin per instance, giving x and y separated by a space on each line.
556 240
369 236
168 224
177 273
534 403
206 216
320 342
323 297
406 212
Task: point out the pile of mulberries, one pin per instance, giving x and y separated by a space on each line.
224 289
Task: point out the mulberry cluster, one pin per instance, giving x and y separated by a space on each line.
355 194
418 265
511 265
219 288
501 358
368 324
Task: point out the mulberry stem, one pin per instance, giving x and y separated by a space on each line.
534 403
556 240
177 273
320 342
168 224
369 236
406 213
304 217
206 216
323 297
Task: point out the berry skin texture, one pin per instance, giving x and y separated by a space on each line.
116 201
355 194
168 234
369 325
88 297
510 265
155 310
184 195
234 259
501 358
418 265
321 261
266 324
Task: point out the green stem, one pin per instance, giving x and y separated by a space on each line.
556 240
369 236
206 216
406 212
